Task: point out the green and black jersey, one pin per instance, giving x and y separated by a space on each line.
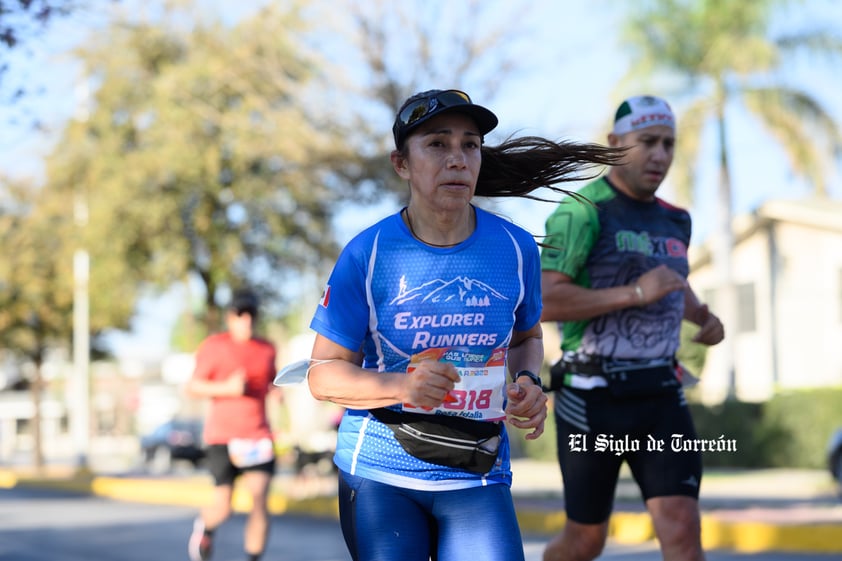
611 241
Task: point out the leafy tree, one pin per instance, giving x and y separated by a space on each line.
383 51
224 153
41 232
23 17
726 56
35 282
25 27
201 160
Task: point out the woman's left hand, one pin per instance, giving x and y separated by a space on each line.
527 407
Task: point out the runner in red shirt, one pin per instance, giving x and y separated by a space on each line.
235 370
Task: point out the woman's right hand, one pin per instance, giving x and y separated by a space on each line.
429 383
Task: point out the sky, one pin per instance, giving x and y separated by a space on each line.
571 95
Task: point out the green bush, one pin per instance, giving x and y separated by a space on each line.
809 418
790 430
756 440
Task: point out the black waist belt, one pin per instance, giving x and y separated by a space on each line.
594 365
445 440
625 378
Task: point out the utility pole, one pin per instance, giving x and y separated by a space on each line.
80 402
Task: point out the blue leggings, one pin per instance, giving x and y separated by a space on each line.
383 523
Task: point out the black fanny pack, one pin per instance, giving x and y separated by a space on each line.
625 378
445 440
628 379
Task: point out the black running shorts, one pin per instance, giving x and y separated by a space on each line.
596 432
223 471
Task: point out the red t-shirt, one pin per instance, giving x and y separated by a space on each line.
244 416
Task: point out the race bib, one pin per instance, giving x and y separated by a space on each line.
247 452
479 393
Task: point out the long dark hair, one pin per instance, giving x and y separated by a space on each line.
519 166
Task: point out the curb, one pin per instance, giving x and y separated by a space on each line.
634 528
625 527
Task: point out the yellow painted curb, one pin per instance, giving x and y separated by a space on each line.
752 537
8 479
316 506
72 484
179 493
746 537
625 527
541 522
631 527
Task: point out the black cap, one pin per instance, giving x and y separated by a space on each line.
423 106
244 300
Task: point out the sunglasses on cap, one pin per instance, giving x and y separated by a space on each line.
426 105
419 108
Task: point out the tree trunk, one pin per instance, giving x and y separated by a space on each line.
212 315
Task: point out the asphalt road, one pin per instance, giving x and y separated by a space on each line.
40 525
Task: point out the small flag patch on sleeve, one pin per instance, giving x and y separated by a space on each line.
325 297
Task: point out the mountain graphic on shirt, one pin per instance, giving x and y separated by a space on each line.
468 291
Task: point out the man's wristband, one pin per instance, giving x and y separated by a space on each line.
531 375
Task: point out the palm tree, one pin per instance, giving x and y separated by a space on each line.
724 56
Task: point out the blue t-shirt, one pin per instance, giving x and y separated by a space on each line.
400 300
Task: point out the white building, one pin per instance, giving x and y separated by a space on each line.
787 273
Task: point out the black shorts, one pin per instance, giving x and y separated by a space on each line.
597 432
223 471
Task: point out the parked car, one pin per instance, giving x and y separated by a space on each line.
834 456
174 441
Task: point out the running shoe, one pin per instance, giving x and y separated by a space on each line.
200 545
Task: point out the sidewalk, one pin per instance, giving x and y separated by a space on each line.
746 511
